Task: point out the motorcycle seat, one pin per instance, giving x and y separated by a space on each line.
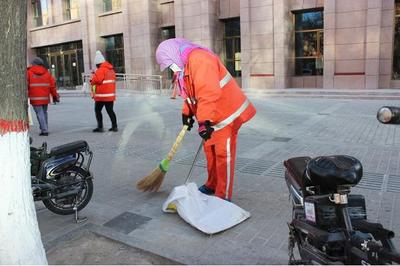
329 172
69 148
296 167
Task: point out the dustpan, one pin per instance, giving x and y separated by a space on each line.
208 214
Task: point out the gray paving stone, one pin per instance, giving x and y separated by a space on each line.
148 126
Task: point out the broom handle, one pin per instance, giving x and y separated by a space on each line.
177 142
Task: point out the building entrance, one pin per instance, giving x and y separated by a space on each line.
65 62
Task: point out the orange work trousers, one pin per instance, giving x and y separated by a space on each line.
221 166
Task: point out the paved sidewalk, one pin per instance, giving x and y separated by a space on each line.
283 128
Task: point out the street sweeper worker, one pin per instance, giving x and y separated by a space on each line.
103 91
214 98
41 85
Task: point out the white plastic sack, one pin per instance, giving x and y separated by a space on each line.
209 214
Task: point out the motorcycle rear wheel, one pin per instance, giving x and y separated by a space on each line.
65 206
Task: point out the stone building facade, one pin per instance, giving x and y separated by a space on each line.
329 44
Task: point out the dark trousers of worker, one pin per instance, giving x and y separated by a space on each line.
41 114
221 166
98 106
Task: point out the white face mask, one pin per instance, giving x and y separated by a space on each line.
175 68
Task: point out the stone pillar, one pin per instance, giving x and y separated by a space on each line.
154 35
178 11
89 11
56 12
282 24
141 34
350 43
127 17
211 26
386 44
329 43
257 44
198 22
245 42
373 31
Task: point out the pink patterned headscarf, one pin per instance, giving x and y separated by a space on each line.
176 51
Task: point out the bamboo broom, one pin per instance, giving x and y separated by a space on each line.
153 181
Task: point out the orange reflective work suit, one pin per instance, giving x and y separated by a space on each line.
104 79
40 85
214 95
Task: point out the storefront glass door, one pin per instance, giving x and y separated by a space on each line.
65 63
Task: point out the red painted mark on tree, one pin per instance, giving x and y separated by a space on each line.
7 126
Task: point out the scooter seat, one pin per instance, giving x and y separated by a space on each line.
296 167
329 172
69 148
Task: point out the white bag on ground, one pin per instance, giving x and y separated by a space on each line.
209 214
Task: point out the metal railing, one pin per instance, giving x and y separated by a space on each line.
136 83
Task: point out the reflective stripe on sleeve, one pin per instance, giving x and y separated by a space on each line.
39 85
232 117
225 80
107 81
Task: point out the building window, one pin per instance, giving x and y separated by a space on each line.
40 12
111 5
115 52
65 62
396 42
309 43
168 33
232 46
70 9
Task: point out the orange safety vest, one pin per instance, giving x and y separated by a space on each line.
104 79
214 95
40 85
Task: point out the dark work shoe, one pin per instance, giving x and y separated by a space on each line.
44 134
205 190
115 129
98 130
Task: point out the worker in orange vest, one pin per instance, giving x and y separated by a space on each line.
212 95
40 86
103 91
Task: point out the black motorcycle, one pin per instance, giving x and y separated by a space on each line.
61 178
330 226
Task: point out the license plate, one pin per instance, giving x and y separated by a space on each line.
310 211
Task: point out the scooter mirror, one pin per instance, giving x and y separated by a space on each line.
388 115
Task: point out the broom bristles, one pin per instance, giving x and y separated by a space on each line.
151 182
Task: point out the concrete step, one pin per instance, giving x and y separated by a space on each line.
383 94
329 94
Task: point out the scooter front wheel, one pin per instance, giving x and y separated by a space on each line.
73 179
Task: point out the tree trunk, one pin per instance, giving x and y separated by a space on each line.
20 241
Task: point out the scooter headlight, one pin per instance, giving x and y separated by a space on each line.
389 115
384 115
